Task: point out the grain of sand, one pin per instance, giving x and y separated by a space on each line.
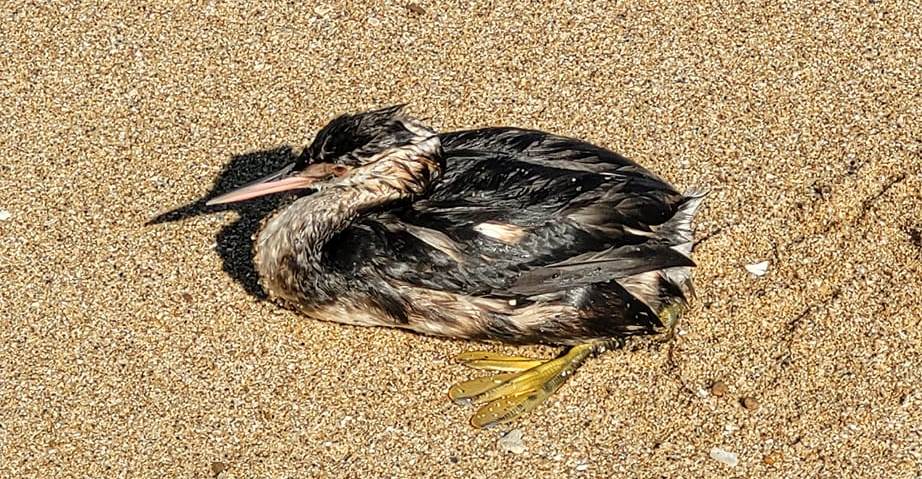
134 350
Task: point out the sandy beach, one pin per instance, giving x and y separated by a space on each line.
131 349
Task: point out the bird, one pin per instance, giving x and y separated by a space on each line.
496 234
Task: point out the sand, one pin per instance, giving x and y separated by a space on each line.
136 350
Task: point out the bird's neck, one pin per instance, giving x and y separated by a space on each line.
289 248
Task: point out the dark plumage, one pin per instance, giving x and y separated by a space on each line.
498 233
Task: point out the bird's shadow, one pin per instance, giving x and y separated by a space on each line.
234 241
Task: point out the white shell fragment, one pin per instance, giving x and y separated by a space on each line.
512 442
757 269
726 457
4 215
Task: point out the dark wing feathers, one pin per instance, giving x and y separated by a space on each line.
590 216
597 267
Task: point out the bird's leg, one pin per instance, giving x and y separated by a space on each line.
670 316
522 383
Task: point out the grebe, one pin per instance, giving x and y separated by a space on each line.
500 234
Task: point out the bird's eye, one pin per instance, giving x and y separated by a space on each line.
339 170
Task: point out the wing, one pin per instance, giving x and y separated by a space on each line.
519 213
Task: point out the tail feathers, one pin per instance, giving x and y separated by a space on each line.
677 230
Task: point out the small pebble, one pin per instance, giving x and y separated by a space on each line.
4 215
582 466
772 458
217 468
186 297
416 8
719 388
726 457
750 403
757 269
512 442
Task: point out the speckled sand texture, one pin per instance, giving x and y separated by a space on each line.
135 350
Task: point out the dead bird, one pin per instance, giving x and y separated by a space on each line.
497 234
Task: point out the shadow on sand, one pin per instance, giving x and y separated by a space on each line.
234 241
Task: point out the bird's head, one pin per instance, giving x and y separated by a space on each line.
382 147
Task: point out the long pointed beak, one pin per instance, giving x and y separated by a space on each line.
282 180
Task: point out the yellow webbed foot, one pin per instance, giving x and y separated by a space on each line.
491 361
521 386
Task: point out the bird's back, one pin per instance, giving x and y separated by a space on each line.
526 237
